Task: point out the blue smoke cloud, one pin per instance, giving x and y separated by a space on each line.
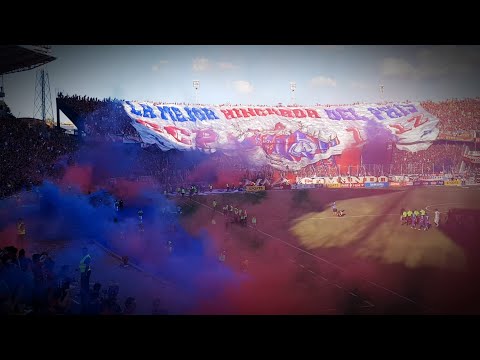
64 214
55 214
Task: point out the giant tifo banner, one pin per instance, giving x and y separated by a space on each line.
288 138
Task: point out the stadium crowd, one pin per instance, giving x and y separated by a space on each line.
175 168
28 152
37 286
441 157
102 118
28 148
456 115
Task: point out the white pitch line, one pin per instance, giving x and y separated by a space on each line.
326 261
339 267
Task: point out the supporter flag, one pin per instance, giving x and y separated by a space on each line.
286 137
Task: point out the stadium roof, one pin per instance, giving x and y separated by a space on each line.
14 58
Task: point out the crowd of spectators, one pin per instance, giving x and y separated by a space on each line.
107 116
36 285
29 148
102 119
4 110
455 115
28 152
174 169
439 157
30 285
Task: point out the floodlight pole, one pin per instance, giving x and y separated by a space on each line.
43 100
293 87
196 86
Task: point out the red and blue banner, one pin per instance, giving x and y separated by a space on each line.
288 138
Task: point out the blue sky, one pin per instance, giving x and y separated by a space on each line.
257 74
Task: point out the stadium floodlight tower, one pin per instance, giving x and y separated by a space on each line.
196 86
381 92
43 99
293 87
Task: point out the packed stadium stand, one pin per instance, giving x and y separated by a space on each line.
457 116
31 152
106 120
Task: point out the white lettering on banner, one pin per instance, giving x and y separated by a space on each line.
284 137
342 180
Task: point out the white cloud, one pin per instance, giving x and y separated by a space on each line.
226 65
158 65
200 64
319 81
242 86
